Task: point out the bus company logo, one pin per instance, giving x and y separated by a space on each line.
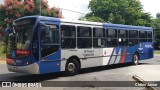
6 84
148 46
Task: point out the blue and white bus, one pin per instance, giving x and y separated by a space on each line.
40 45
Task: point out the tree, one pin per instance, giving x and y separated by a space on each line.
45 10
156 26
29 7
128 12
2 16
13 9
158 15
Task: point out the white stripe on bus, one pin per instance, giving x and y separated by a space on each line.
118 57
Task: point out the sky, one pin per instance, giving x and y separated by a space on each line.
151 6
79 6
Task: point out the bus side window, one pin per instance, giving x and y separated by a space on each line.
99 37
84 37
123 37
68 34
143 36
133 37
112 38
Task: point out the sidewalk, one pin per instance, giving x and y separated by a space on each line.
2 62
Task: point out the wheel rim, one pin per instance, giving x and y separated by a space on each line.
71 67
135 59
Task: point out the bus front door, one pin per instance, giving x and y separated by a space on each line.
49 48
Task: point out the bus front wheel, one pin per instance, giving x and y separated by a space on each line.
135 59
72 67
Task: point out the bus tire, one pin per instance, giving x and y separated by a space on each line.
135 59
72 67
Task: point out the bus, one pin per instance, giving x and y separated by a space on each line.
40 44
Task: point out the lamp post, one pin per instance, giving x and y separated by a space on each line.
40 7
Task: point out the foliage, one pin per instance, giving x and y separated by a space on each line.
158 15
157 53
95 19
156 25
2 48
2 51
128 12
13 9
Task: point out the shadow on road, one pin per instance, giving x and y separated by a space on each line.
144 63
43 77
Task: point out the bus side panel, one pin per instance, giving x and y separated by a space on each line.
130 51
147 51
51 63
119 55
106 55
144 49
88 57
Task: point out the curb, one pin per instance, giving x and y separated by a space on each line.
156 54
2 62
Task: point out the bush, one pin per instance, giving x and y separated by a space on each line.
156 46
2 48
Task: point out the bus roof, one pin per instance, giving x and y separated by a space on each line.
105 25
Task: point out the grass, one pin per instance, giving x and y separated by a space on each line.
158 53
2 52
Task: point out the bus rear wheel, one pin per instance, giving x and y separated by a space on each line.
135 59
72 67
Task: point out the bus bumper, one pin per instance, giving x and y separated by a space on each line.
30 69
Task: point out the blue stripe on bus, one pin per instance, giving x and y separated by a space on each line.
118 52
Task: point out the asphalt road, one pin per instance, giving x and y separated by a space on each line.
148 70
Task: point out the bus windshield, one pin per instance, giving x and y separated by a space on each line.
23 37
19 41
